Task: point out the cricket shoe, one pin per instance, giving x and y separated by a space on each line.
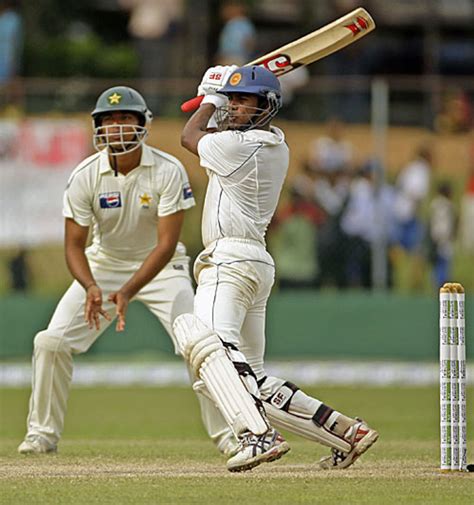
361 438
36 444
256 449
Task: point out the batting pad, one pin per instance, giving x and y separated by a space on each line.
230 395
206 354
189 331
288 407
304 427
293 423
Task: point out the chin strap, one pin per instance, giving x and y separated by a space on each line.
113 162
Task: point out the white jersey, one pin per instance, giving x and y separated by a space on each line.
124 209
246 172
413 185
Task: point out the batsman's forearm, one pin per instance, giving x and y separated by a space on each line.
196 127
78 265
150 268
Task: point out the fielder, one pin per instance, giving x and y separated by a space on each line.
246 161
133 196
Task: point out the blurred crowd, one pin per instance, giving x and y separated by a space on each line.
11 46
11 40
345 223
341 218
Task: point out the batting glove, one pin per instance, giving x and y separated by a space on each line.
216 100
214 79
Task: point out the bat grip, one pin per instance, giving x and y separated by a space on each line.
192 105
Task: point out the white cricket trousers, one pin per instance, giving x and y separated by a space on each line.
235 277
167 296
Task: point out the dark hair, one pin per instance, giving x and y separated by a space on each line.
444 188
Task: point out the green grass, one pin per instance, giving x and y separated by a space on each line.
146 446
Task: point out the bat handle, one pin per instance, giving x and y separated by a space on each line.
192 105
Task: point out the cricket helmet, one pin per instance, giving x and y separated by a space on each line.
121 99
255 80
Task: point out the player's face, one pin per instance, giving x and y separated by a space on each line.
120 131
120 124
242 108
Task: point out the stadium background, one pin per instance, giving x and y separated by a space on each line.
408 83
133 433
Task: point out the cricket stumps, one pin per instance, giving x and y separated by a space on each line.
452 356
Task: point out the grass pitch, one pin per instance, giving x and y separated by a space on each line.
146 446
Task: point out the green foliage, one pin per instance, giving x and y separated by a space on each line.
47 281
87 56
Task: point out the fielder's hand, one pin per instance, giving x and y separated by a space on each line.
121 301
214 79
94 307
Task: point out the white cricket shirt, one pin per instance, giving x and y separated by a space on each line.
246 171
413 185
123 210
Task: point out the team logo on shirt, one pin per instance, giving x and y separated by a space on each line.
111 200
114 99
235 79
145 200
187 191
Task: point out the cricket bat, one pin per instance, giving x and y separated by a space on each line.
310 48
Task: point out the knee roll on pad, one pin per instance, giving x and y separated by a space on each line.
49 342
195 340
189 330
202 349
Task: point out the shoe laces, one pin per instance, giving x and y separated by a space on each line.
338 456
258 442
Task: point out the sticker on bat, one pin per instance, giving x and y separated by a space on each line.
357 26
279 64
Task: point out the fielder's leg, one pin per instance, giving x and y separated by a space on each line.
52 364
227 386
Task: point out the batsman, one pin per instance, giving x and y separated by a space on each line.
246 160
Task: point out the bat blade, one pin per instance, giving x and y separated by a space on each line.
310 48
318 44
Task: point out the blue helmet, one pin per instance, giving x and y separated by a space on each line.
255 80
